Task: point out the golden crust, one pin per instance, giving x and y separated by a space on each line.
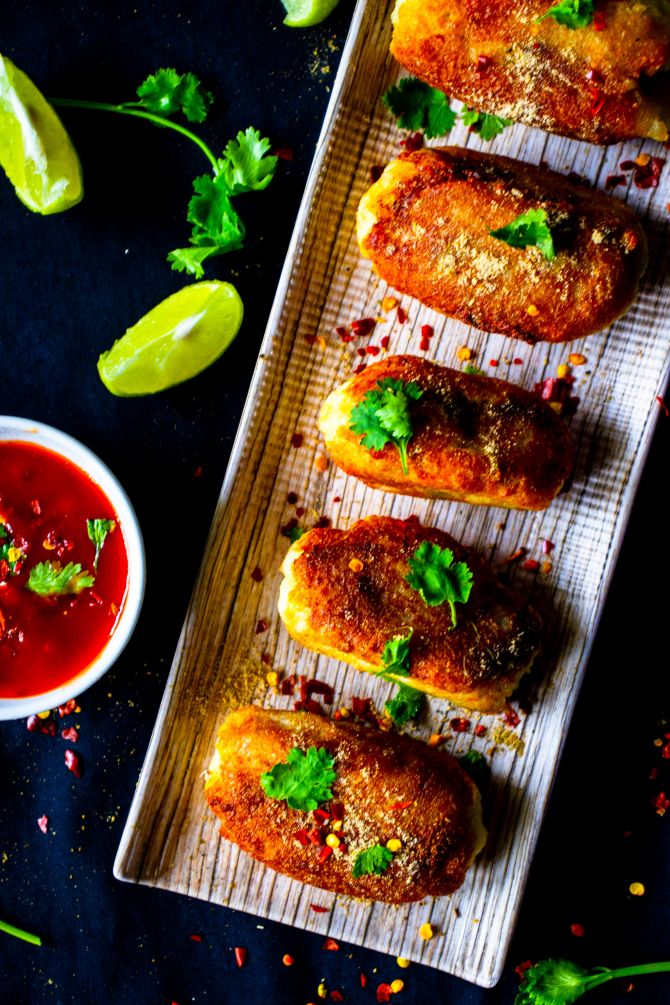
475 438
441 831
426 223
350 615
590 84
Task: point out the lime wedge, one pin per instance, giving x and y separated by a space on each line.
174 341
304 13
35 151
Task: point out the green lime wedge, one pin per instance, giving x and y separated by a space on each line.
35 151
173 342
304 13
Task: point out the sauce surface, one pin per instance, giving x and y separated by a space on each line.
45 502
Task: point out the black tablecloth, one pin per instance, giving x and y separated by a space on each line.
69 285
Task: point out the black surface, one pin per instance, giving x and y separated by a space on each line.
69 285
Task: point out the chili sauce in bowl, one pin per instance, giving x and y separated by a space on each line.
71 567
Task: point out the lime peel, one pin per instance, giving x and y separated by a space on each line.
305 13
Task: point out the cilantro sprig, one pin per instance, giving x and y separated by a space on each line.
245 165
561 982
303 780
531 229
384 416
571 13
51 579
419 107
438 578
408 701
486 126
98 529
372 861
20 933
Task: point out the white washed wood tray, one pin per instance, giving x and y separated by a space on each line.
171 839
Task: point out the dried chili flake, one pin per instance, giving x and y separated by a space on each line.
363 980
359 368
73 763
401 314
480 730
261 626
663 405
372 350
360 351
384 341
284 153
517 361
460 725
613 180
362 707
308 705
520 971
403 805
645 175
297 440
661 804
424 345
531 565
376 171
240 955
320 687
363 327
598 103
256 574
318 909
598 21
198 472
195 938
558 390
336 995
287 960
412 142
321 816
516 555
331 944
346 337
301 837
325 854
70 734
483 63
36 725
511 717
547 547
43 823
314 836
300 511
323 521
493 362
67 708
384 993
337 811
653 774
665 753
310 339
427 331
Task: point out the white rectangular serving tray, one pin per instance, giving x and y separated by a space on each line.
171 839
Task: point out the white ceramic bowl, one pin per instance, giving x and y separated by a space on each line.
23 430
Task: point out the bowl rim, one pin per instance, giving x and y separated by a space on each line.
17 429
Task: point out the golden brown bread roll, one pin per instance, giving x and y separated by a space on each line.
426 223
387 787
345 594
595 83
474 438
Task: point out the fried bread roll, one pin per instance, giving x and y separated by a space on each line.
386 786
592 83
345 594
474 438
426 223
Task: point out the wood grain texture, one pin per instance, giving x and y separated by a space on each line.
171 839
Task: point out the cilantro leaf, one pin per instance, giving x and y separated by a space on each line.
395 657
408 701
245 165
98 530
571 13
217 228
473 369
476 766
51 579
384 417
372 861
294 533
531 229
190 259
166 92
419 106
485 125
304 780
405 705
438 578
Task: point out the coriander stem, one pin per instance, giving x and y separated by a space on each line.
402 447
137 113
608 975
19 933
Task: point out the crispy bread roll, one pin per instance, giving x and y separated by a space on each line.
591 83
440 829
425 225
474 438
350 609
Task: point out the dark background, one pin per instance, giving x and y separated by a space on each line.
71 284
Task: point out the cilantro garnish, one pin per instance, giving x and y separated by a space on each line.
303 781
473 369
51 579
571 13
383 416
408 701
531 229
372 861
10 554
244 166
419 106
438 578
561 982
405 705
98 530
476 766
486 126
294 533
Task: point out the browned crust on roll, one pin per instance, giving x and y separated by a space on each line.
350 615
441 831
426 223
589 84
475 438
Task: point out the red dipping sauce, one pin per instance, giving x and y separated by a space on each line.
45 502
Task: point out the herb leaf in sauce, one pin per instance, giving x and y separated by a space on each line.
486 126
571 13
531 229
408 701
384 417
438 578
98 530
372 862
51 579
303 781
166 92
418 106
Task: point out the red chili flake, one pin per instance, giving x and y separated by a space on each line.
321 816
284 153
511 717
4 569
613 180
360 368
598 21
67 708
337 811
401 805
460 725
663 405
401 314
297 440
360 351
314 836
364 981
257 574
493 362
198 472
36 725
376 171
424 345
372 350
323 521
70 734
517 361
300 511
644 175
347 338
483 63
598 103
261 626
267 659
318 909
665 753
661 804
341 331
384 992
320 687
325 854
520 971
547 547
43 823
480 730
309 705
559 389
73 763
427 331
577 930
35 507
516 555
336 995
310 339
384 341
363 327
628 987
412 142
301 837
531 565
331 944
195 938
240 955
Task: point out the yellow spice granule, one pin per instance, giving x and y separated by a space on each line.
356 565
532 310
426 931
321 463
464 353
563 371
435 739
403 962
637 889
388 303
272 677
643 160
394 845
577 359
397 986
